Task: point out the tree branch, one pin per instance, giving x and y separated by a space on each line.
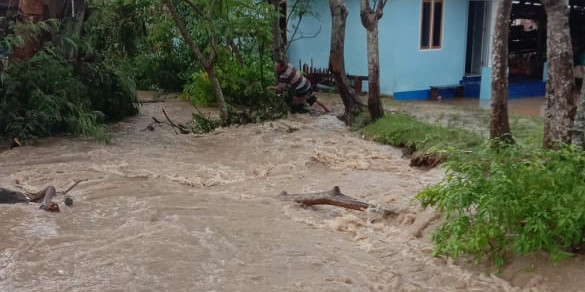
302 36
195 7
332 197
380 8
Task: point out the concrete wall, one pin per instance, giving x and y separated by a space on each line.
405 70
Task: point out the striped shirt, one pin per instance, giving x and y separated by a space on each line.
292 78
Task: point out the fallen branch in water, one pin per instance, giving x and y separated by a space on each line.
183 129
332 197
44 196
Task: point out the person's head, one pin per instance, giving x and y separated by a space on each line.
280 65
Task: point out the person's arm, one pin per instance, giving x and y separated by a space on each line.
277 88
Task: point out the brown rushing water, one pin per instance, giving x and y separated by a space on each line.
165 212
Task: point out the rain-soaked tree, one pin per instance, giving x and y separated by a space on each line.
278 41
560 99
207 59
337 62
370 19
499 122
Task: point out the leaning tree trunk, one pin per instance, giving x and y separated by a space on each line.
337 62
560 99
208 63
579 125
218 92
370 21
499 123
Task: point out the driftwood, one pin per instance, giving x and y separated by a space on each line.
332 197
44 196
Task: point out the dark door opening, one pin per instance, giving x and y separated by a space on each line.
476 24
527 40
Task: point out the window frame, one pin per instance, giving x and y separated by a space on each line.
431 26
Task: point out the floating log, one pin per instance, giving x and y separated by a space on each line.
332 197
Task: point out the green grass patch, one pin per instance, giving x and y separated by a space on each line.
402 130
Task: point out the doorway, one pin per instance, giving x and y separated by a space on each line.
476 26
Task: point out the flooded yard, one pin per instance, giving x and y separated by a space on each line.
159 211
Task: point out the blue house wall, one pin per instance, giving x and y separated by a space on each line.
405 71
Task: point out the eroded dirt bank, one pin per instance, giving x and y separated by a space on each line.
165 212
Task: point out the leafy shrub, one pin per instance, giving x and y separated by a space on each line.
201 124
109 92
509 200
200 90
41 97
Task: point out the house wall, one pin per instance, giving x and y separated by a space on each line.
405 70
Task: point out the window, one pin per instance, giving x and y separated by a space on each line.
431 27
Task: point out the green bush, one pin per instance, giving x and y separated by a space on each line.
200 90
109 92
40 97
501 200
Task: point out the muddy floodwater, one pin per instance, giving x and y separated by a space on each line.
157 211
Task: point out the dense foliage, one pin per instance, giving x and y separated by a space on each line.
51 92
140 40
86 69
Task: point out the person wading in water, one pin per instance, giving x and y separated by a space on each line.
290 78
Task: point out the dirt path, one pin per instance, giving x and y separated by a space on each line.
165 212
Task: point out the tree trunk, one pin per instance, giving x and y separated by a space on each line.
74 26
560 99
218 93
374 103
337 62
499 122
579 125
235 51
370 19
208 63
277 41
